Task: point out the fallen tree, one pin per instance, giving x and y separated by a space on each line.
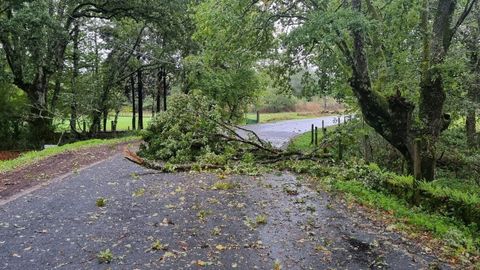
191 134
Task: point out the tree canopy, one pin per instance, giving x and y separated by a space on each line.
409 67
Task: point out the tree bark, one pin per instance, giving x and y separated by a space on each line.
471 128
40 119
105 120
134 110
140 98
165 89
392 117
73 107
474 88
159 91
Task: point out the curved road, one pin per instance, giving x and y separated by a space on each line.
154 220
280 133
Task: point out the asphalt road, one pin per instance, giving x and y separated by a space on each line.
280 133
186 221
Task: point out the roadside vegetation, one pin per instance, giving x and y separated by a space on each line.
409 71
448 209
31 157
372 173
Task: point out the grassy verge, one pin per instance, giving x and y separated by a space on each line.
459 239
448 214
34 156
273 117
303 141
448 209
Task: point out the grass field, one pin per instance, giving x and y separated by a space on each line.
124 123
34 156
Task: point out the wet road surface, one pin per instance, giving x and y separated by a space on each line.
154 220
280 133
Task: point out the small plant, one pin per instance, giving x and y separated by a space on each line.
157 245
290 190
300 201
139 192
248 158
101 202
277 265
223 186
135 176
202 215
216 231
261 219
105 256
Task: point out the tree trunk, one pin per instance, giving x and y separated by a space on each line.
474 87
40 120
392 118
73 106
105 120
140 98
471 128
115 121
165 89
159 90
56 92
134 110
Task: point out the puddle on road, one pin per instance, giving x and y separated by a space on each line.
310 230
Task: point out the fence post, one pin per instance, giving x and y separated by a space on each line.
312 141
258 117
316 136
339 121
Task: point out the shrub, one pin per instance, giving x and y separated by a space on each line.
187 132
435 197
274 103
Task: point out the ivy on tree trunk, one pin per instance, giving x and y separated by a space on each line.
392 117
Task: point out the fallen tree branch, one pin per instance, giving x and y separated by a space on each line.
161 167
244 141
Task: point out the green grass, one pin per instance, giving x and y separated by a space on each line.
449 214
34 156
124 123
458 236
273 117
303 141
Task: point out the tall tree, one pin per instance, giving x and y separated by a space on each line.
382 51
472 35
134 108
140 98
73 106
231 44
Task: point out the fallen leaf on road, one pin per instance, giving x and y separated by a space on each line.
202 263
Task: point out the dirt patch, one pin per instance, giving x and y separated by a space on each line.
19 180
7 155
